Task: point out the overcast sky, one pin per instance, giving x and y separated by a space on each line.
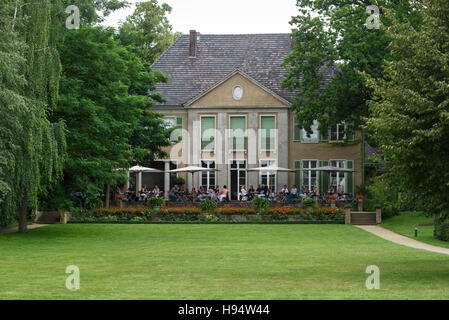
223 16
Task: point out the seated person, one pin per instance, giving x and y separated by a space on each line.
156 191
293 192
143 193
223 194
212 194
316 192
251 193
243 194
201 193
118 193
284 190
173 194
340 190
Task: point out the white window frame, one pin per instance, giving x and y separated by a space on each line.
238 161
215 133
338 174
339 139
208 173
309 187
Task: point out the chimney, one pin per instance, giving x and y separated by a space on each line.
193 43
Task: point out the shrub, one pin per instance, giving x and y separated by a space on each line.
235 210
179 181
208 205
156 202
441 230
260 204
309 203
212 218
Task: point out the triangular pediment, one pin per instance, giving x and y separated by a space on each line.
253 94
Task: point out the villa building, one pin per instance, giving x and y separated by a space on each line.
225 99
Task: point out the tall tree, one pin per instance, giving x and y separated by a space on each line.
148 29
32 148
334 32
410 109
103 99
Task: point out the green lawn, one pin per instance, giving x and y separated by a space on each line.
405 224
215 262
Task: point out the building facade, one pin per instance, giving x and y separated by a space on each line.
230 113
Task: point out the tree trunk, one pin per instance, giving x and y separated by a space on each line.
107 196
23 212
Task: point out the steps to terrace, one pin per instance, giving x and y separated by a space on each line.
363 218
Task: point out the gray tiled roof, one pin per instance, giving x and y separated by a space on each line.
257 55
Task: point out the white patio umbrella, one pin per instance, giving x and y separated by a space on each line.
140 169
192 170
331 169
270 169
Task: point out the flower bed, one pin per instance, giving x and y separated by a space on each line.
220 214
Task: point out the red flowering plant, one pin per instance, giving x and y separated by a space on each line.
332 197
180 213
235 210
360 196
327 213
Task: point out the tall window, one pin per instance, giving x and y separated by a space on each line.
338 132
238 177
177 123
309 177
313 137
208 133
208 178
238 132
268 178
338 178
268 133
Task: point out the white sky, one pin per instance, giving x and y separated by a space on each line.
223 16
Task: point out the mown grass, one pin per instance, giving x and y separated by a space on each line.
405 224
215 262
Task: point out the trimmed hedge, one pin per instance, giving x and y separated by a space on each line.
218 215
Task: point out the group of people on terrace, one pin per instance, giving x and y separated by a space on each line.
181 193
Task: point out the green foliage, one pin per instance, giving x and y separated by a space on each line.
104 101
332 32
31 147
156 202
148 30
208 205
260 204
383 193
212 218
409 109
441 230
179 181
309 203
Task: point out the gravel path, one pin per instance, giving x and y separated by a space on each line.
403 240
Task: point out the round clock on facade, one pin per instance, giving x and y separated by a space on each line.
237 92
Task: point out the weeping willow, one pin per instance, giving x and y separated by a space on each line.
31 147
